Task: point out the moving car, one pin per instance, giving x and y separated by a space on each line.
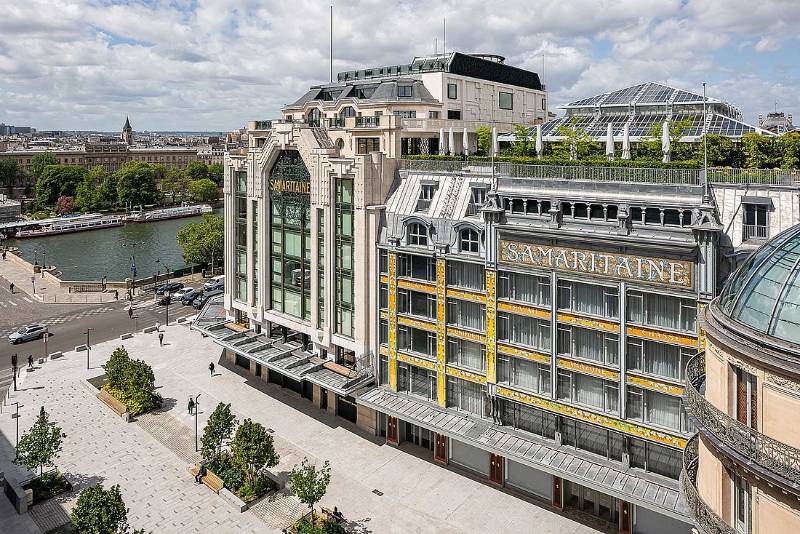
169 287
179 294
216 282
200 301
166 299
190 296
27 333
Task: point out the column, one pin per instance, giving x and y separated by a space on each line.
491 326
553 334
623 348
441 330
392 320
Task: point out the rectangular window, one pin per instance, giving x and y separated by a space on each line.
659 359
525 288
466 354
524 374
454 114
477 199
383 261
656 408
383 334
741 504
404 91
505 100
416 303
466 396
345 291
594 345
416 381
521 330
368 144
383 297
415 340
588 391
662 311
418 267
589 299
467 275
452 91
405 114
466 314
433 114
383 370
321 268
528 418
755 222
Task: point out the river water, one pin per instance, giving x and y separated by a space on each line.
97 253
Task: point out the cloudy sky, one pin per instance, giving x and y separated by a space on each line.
214 64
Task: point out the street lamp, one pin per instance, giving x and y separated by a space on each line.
16 445
196 410
44 260
87 346
133 263
44 337
168 296
14 369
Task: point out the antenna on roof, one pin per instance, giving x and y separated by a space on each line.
706 193
435 46
331 43
444 31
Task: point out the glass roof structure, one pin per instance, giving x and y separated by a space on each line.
644 105
764 293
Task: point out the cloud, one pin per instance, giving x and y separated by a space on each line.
214 64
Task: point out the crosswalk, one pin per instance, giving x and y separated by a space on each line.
12 302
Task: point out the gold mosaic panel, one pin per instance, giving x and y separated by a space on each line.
521 309
466 375
384 350
602 420
441 330
416 286
430 326
466 295
588 322
466 334
384 279
588 369
393 320
384 314
655 385
667 337
491 326
413 360
524 354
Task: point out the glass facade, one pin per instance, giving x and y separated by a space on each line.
240 239
321 268
344 256
291 236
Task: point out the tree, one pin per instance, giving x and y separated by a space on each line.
789 149
522 145
219 429
202 242
216 172
87 195
115 367
174 182
139 385
107 193
65 205
308 484
197 170
759 151
203 190
136 183
40 445
484 135
8 173
252 449
58 181
576 143
40 161
101 511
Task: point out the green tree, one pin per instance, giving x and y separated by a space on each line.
216 172
759 151
252 449
8 173
136 183
174 182
523 145
58 181
116 366
576 144
484 135
310 484
789 149
139 385
202 242
41 445
40 161
721 151
197 170
107 192
203 190
101 511
87 194
218 430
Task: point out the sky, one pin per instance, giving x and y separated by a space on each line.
215 64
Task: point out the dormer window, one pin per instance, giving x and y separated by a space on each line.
417 235
469 240
347 111
404 91
477 198
426 193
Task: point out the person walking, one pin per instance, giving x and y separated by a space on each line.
158 326
191 405
116 294
211 368
12 288
30 361
161 339
130 312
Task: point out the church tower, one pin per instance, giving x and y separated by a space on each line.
127 132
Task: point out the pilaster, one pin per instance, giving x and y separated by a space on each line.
441 329
491 326
392 320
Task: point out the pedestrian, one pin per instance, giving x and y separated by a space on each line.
211 368
116 294
30 361
130 312
191 405
161 339
158 326
12 288
4 254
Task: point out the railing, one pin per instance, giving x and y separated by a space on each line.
707 520
769 453
754 231
652 175
367 122
335 122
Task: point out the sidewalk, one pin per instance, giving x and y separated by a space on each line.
19 272
378 488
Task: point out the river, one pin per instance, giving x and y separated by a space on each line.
97 253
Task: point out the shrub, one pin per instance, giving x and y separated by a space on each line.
115 367
131 382
225 468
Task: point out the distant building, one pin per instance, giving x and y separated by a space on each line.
7 129
127 132
10 210
776 122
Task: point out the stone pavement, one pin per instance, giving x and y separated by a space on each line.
413 494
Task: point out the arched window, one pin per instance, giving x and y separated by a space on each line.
469 240
347 111
417 235
314 117
340 143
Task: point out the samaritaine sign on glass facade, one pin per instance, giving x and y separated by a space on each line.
670 272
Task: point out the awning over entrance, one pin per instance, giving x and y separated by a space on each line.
285 357
662 495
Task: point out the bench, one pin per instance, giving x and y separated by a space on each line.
331 516
211 480
118 407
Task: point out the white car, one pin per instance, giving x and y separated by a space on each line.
214 283
179 294
27 333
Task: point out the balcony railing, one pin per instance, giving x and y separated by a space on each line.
335 122
707 520
754 231
771 454
367 122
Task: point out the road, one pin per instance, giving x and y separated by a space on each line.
68 323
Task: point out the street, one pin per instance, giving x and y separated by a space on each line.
67 324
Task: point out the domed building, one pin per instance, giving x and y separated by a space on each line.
742 470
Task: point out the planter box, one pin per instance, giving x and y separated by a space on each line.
233 500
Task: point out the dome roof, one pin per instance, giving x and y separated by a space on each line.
764 293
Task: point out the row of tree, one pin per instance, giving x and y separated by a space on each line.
753 151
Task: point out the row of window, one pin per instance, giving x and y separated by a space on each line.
505 99
417 234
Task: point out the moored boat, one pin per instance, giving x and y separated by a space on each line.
68 225
168 213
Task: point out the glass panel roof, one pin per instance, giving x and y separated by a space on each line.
764 293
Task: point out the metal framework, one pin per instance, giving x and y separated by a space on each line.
708 522
769 453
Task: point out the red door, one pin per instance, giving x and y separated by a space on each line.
440 451
496 469
391 430
624 517
557 493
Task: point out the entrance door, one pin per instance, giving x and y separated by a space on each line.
496 464
323 399
391 430
440 451
421 437
625 517
258 370
558 500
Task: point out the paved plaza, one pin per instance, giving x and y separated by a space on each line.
150 457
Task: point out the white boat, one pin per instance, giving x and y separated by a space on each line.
168 213
68 225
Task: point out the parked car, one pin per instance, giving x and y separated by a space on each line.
169 287
200 301
27 333
179 294
215 283
190 296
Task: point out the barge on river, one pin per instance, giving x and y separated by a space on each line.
68 225
168 213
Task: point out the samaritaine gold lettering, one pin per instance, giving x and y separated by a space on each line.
661 271
290 186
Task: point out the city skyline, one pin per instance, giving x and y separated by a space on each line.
83 65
